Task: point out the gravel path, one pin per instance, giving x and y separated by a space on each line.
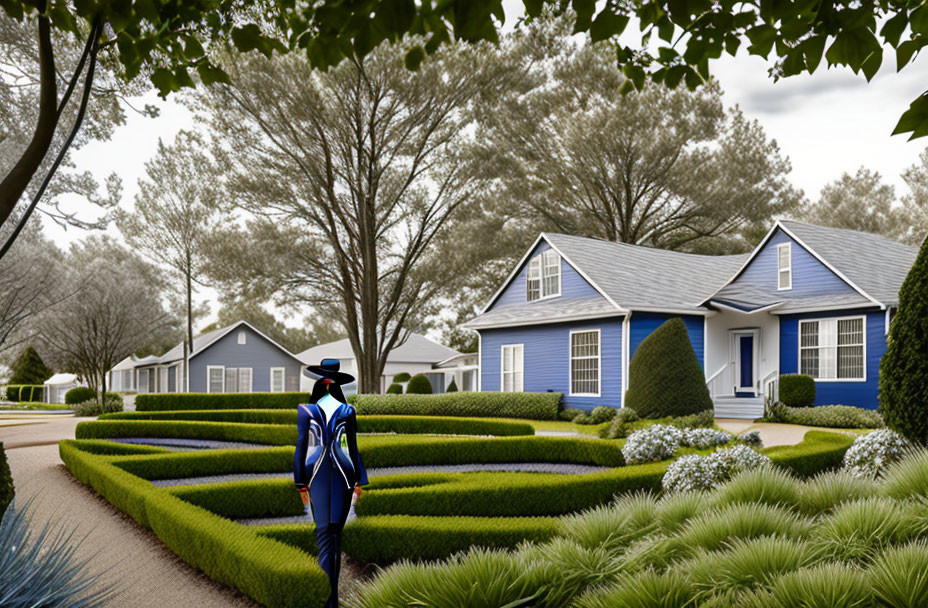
192 444
515 467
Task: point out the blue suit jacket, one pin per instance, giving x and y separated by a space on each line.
327 460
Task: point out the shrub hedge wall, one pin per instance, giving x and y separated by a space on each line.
818 451
6 483
531 406
270 572
268 434
415 425
831 416
389 538
224 401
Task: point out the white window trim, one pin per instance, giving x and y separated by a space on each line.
570 363
241 336
863 318
502 357
541 276
283 380
787 269
251 379
212 367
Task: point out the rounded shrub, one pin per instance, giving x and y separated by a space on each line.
94 408
665 377
904 367
6 483
79 394
453 387
395 389
602 413
419 385
402 377
569 413
870 454
797 390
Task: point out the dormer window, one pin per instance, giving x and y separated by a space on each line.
784 267
543 278
241 337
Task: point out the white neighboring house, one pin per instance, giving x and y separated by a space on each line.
58 385
418 355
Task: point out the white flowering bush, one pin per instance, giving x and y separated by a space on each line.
696 472
751 439
653 444
870 454
704 438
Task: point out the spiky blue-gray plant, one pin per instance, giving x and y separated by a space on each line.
40 568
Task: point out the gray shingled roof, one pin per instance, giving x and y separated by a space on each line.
416 349
543 312
875 264
643 277
177 353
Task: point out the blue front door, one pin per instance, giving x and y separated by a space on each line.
746 357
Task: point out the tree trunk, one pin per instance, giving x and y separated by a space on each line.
17 180
188 339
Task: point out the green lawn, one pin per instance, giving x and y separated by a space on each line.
34 405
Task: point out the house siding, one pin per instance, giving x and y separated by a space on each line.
643 323
860 394
810 277
572 284
257 353
546 360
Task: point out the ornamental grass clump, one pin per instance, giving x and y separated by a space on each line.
824 492
859 530
764 485
613 526
833 585
871 454
907 478
899 576
716 527
648 589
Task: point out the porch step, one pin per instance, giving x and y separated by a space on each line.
739 407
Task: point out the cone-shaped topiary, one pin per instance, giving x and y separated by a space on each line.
395 389
6 483
664 377
30 369
452 388
420 385
904 367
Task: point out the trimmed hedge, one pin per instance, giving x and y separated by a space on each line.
389 538
241 499
215 401
6 483
831 416
818 451
419 385
270 572
797 390
79 394
415 425
530 406
25 392
177 465
395 389
665 377
266 434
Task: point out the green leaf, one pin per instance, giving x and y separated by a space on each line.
247 38
164 81
762 38
209 74
918 20
915 119
905 51
394 18
636 74
13 9
731 45
584 10
693 80
871 64
533 8
813 49
893 28
414 58
606 25
793 63
674 76
192 47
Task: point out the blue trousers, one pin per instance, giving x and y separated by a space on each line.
329 543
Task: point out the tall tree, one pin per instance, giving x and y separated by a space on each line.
174 205
915 201
860 202
361 167
116 307
668 169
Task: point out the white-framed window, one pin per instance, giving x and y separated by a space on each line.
833 349
244 379
278 379
215 379
511 368
543 276
784 266
241 337
585 363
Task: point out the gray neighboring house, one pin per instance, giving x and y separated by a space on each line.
233 359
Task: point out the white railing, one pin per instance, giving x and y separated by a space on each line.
713 381
771 387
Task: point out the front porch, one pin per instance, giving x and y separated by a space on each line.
742 361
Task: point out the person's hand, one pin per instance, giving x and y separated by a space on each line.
357 495
304 496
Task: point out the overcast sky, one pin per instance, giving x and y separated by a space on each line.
826 123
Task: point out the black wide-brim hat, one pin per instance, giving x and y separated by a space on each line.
328 368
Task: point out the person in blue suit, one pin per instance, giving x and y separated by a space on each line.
327 468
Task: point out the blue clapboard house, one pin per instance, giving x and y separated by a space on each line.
808 299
